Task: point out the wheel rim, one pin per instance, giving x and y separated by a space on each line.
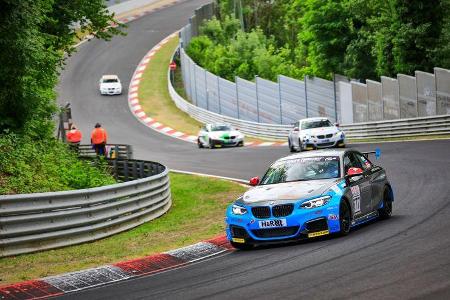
345 218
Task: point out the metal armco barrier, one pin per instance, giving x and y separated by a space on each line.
121 151
381 129
34 222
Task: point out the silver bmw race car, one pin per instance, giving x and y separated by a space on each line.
315 133
218 134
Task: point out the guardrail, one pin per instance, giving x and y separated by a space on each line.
381 129
34 222
121 151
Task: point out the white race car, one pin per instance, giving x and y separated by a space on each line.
212 135
110 85
315 133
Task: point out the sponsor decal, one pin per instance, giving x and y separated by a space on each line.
239 240
318 233
333 217
356 196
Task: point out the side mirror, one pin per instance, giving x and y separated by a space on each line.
295 128
336 124
254 181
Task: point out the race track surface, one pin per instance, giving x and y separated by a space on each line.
407 256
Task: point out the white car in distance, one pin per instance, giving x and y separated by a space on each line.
110 85
315 133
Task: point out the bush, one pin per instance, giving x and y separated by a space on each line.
28 165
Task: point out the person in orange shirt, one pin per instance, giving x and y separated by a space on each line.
74 137
99 138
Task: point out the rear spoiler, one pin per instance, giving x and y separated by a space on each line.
377 153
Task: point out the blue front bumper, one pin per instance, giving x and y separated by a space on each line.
301 223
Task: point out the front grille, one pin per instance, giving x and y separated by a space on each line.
275 232
325 144
320 136
329 135
262 212
282 210
238 232
317 225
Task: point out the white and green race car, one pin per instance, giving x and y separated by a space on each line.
219 134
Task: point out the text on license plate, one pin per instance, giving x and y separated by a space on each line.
273 223
325 141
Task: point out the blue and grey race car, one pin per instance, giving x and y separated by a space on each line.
307 195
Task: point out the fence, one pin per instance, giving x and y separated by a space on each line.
120 151
433 125
34 222
288 99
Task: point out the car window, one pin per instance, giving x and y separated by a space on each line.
203 128
220 128
316 124
110 80
296 124
351 161
301 169
365 163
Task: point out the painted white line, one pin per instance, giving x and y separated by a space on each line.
157 124
177 134
134 101
192 138
135 82
166 129
145 61
138 75
140 114
148 120
136 107
142 68
134 89
243 181
265 144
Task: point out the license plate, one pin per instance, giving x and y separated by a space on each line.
325 141
273 223
239 240
318 233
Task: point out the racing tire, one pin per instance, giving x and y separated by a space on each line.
344 218
240 144
199 143
211 144
291 148
386 211
300 149
241 246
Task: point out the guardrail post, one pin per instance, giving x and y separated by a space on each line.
134 168
125 170
141 169
129 152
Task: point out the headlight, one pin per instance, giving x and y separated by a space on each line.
318 202
239 210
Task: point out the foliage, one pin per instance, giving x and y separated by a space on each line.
28 165
34 35
358 38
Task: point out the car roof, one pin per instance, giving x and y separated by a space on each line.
110 77
315 153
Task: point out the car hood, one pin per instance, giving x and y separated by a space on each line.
319 131
288 191
108 85
223 134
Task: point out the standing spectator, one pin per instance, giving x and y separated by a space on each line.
99 138
74 137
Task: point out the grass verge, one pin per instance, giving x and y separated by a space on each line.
155 98
154 95
197 214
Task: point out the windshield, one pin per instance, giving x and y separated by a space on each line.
301 169
110 80
316 124
220 128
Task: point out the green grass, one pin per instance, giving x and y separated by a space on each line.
196 214
31 166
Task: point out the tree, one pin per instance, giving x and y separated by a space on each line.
34 34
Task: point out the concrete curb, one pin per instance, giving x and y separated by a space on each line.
85 279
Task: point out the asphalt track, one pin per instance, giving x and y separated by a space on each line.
407 256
